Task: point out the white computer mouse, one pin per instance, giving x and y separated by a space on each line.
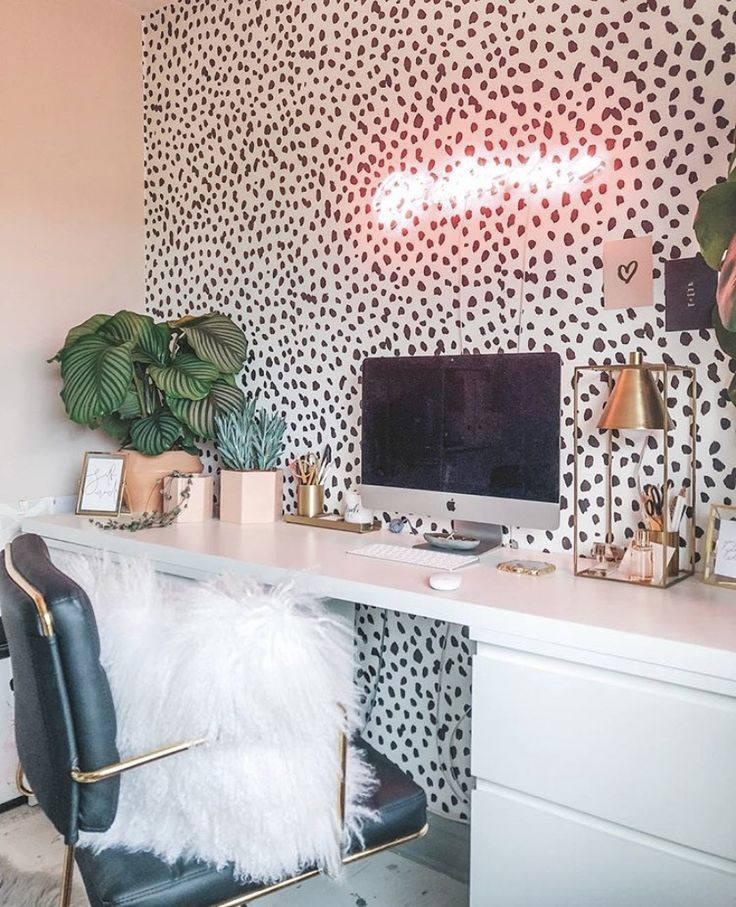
445 582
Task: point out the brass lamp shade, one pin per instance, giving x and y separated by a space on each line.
635 401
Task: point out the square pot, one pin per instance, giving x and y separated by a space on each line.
252 496
199 507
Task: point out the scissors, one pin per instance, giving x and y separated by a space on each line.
653 501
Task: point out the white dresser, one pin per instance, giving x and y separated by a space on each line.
8 755
601 782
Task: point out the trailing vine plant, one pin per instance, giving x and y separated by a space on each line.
155 520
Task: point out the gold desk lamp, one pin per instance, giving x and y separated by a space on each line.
636 403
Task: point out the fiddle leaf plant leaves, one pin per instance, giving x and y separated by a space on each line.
715 221
726 339
96 375
200 415
732 390
186 376
726 292
156 433
216 339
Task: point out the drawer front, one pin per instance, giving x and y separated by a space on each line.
8 755
527 855
649 755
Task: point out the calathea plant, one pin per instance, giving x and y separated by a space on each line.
151 386
715 229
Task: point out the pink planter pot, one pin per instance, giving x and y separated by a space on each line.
199 505
251 497
143 477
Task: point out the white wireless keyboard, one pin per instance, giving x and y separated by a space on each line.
416 557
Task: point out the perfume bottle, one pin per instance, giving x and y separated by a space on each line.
642 558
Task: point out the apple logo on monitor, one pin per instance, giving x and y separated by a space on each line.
451 505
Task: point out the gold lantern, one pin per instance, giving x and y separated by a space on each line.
639 401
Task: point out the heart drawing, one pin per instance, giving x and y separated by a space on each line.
626 272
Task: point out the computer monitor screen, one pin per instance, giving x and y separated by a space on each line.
465 427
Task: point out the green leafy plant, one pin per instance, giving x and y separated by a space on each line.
250 438
715 230
152 386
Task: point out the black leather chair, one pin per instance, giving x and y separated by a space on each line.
65 728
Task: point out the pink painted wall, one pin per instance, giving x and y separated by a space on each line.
71 215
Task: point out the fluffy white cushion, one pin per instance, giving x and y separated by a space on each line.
259 673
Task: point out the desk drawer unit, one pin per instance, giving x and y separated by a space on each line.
652 759
530 854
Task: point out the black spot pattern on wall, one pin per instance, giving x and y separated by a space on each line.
270 127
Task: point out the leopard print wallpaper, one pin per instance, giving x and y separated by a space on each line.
380 177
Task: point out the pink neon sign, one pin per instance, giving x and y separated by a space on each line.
402 195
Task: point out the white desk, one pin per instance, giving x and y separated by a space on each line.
604 716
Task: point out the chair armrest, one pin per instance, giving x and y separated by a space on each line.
117 768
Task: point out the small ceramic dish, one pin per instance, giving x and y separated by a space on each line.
448 542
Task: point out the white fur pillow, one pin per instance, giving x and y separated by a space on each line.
259 674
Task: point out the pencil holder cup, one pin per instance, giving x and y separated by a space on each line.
310 500
673 541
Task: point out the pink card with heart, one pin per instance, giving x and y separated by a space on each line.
627 273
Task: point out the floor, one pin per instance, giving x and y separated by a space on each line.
406 878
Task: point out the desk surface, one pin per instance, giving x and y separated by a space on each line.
690 626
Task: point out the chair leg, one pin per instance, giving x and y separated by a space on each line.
67 877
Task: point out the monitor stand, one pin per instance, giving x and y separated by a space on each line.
490 534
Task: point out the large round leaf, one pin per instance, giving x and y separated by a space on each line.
96 376
125 326
90 326
153 345
187 376
151 340
200 415
217 339
726 293
715 221
156 433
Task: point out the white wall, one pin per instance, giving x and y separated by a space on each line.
71 215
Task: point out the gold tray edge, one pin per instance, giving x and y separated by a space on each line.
340 525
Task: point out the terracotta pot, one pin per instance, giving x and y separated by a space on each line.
143 476
252 496
199 506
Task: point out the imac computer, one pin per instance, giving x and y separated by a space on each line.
472 438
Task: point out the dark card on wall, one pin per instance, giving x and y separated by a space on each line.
689 294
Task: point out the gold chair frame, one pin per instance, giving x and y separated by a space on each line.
117 768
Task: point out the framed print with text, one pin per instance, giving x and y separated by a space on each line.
720 546
101 485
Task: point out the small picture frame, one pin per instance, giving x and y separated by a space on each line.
101 485
720 546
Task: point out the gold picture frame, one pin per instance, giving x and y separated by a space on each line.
718 513
101 484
